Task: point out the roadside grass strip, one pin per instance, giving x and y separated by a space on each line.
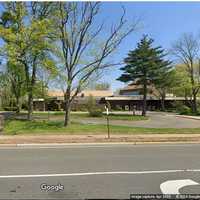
24 127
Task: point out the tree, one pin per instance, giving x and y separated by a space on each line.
5 91
166 80
26 30
100 86
186 49
144 65
183 88
13 71
85 47
16 77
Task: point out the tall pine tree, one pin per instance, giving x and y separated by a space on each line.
144 65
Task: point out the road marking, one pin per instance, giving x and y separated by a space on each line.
97 173
173 186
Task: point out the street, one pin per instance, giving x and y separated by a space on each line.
99 171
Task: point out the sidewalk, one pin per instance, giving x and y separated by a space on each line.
61 139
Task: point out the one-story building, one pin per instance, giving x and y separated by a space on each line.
55 100
128 98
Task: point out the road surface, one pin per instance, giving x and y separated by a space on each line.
156 120
99 171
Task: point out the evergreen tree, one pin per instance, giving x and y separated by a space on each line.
144 65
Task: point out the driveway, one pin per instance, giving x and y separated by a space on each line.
156 120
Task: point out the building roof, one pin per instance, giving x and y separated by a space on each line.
55 93
140 97
131 87
96 93
85 93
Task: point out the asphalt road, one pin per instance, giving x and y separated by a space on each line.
156 120
97 171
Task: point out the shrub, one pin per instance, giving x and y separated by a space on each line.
96 113
198 111
184 110
118 108
10 108
79 107
181 108
93 109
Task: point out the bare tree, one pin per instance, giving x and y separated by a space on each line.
86 45
186 49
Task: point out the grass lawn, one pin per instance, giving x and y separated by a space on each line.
78 115
17 127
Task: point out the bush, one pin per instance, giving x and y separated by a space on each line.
93 109
96 113
198 111
10 108
118 108
79 107
184 110
181 108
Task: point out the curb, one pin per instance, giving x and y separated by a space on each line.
54 145
188 117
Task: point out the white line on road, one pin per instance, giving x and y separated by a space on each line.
98 173
173 186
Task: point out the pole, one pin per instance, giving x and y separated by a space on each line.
48 111
108 125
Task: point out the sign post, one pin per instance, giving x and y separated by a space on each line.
108 125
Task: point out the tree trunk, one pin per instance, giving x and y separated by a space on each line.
194 94
67 107
44 105
163 102
67 113
30 90
30 106
18 105
194 103
144 99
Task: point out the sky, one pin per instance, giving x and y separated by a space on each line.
165 22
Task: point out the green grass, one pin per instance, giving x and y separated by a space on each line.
86 115
17 127
112 116
127 117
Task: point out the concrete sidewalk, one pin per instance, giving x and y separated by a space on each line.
62 139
